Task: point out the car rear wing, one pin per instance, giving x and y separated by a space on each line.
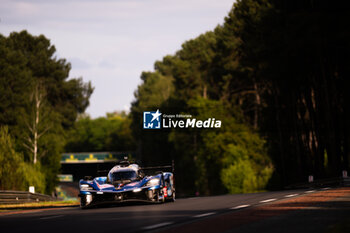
159 168
170 167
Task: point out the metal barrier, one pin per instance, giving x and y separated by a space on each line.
336 181
13 197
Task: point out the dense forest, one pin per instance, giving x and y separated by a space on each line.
274 73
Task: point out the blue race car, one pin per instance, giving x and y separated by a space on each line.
127 182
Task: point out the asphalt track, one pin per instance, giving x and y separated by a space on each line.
283 211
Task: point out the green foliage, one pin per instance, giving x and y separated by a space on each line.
229 149
26 59
52 143
31 175
239 177
206 80
26 63
9 161
15 174
146 93
246 169
111 133
156 90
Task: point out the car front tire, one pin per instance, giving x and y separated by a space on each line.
84 202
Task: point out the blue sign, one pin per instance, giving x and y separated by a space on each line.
152 120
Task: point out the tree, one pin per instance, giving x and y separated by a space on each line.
26 60
298 55
275 70
37 118
38 103
111 133
9 160
200 90
15 173
219 153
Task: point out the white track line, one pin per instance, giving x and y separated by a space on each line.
157 225
203 215
310 191
239 207
50 217
291 195
268 200
326 188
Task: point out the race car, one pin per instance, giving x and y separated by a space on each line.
127 182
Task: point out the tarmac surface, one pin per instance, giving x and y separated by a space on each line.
313 210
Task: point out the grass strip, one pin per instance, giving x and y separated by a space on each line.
34 205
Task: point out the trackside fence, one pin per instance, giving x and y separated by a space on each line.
318 183
14 197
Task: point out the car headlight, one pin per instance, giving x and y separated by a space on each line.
85 187
88 199
137 190
153 182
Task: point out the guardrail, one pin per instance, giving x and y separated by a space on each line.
13 197
336 181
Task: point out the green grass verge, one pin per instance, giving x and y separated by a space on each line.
34 205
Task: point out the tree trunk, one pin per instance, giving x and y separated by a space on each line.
257 106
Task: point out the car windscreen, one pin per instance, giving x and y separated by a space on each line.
123 175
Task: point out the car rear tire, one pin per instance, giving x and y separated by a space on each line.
158 198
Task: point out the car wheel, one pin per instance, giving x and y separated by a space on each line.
158 198
83 201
